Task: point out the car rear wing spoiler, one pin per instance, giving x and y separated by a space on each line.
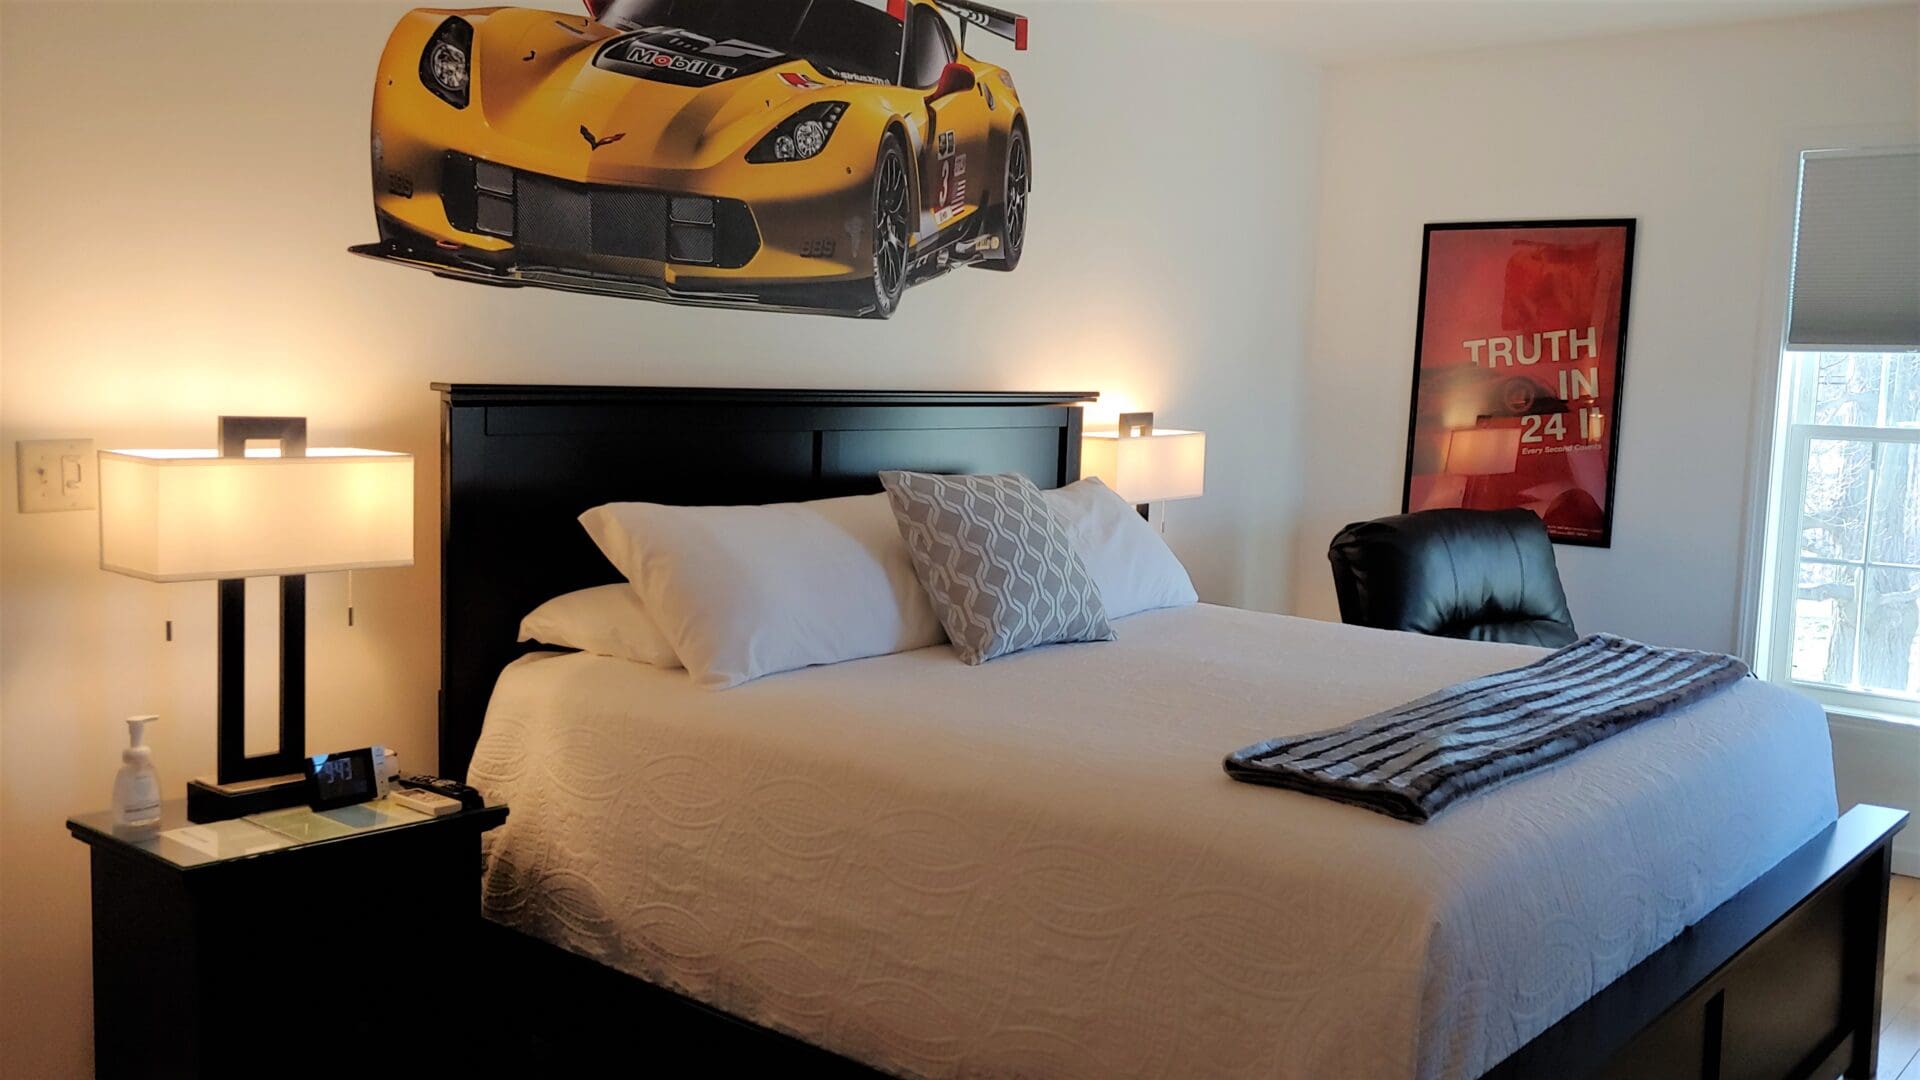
991 19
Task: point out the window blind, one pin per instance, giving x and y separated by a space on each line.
1856 257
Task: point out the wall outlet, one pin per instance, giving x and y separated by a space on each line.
56 474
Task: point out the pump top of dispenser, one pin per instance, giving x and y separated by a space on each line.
137 749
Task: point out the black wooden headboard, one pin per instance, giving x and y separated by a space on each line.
520 463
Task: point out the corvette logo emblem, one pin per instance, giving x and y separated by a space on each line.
598 143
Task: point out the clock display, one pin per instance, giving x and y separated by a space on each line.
341 779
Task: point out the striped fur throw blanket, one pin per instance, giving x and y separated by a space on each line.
1414 761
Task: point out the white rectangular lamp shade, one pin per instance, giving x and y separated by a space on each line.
188 515
1165 465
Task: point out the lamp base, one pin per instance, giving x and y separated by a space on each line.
208 801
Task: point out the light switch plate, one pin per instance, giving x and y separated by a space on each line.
56 474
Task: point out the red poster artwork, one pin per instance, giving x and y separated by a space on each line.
1517 368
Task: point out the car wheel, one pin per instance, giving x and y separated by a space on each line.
892 224
1012 224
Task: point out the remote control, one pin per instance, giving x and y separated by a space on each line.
467 797
424 801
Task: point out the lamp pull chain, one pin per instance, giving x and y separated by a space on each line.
349 598
167 604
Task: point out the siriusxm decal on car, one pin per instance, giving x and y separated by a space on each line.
778 154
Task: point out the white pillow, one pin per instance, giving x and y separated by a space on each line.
745 591
1127 559
606 620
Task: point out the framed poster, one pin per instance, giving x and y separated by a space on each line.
1518 359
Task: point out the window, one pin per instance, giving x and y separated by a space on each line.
929 48
1840 609
1851 595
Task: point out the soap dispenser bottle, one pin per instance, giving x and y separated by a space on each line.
136 789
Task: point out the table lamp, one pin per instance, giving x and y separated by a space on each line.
238 512
1481 451
1144 464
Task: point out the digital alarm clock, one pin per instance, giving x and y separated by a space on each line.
348 777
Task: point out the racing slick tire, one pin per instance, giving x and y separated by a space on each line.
893 218
1010 224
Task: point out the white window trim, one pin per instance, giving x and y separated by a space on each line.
1766 443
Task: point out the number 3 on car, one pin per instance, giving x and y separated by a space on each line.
801 155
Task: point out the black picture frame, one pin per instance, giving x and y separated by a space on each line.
1629 227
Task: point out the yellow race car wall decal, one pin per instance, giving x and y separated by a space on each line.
798 155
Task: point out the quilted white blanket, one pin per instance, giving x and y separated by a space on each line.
1037 867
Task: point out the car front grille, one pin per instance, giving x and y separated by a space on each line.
568 223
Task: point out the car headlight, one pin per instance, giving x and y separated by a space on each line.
445 64
800 136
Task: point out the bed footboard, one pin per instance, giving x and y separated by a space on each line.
1782 982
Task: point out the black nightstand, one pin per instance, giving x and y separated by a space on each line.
268 946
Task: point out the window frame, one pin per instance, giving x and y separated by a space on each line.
1759 615
1776 660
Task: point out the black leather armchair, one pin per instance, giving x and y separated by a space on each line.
1487 575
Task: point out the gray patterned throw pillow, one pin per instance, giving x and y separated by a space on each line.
1002 574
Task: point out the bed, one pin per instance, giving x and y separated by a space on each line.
1036 868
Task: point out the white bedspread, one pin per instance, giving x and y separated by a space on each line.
1037 868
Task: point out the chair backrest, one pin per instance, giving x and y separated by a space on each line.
1487 575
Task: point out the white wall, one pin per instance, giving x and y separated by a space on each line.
1692 133
178 187
1877 762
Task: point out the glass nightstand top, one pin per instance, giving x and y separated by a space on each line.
186 844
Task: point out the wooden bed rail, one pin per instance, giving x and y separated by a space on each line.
1781 982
